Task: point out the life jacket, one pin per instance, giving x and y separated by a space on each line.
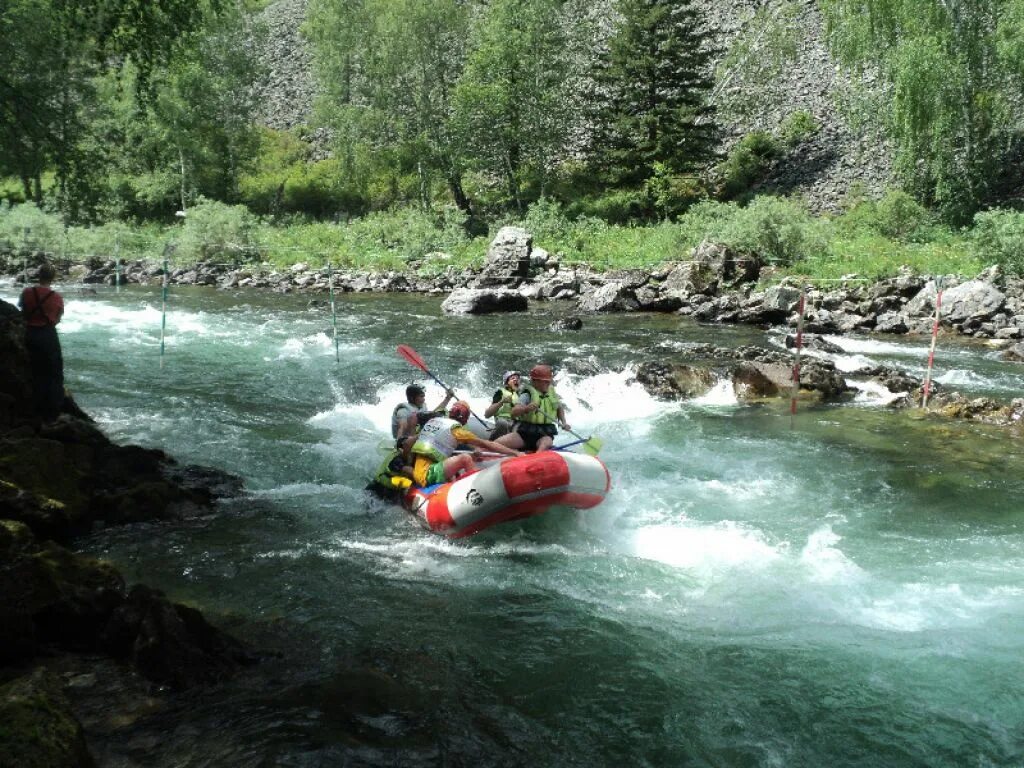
547 413
386 477
510 396
396 419
436 439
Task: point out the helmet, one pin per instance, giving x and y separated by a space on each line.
413 390
508 375
541 373
460 412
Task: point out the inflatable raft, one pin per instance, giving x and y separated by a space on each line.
512 489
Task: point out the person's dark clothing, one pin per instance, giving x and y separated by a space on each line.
531 433
42 309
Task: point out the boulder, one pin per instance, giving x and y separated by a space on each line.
508 259
813 341
711 268
756 379
1014 354
37 726
891 322
476 301
674 381
571 323
973 300
610 297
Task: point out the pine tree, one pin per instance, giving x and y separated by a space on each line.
653 85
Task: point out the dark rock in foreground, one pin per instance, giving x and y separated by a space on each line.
479 301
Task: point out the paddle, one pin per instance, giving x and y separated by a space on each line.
591 445
412 357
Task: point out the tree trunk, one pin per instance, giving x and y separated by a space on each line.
459 194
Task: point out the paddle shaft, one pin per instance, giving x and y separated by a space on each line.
413 357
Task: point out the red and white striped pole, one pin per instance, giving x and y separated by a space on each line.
931 352
799 347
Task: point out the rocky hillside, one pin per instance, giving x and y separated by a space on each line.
823 169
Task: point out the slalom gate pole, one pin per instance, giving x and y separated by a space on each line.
163 311
794 394
117 263
927 388
334 312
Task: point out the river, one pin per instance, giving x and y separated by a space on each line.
845 588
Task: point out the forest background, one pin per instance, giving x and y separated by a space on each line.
618 132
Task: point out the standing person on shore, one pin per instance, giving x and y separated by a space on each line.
42 307
502 403
536 413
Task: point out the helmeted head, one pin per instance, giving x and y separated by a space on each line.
415 392
540 376
508 376
459 412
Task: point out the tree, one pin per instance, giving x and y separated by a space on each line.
388 69
52 52
652 88
952 69
512 107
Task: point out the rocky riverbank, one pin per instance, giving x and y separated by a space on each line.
713 284
59 480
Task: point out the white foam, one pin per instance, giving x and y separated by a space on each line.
722 394
867 346
825 562
873 393
706 551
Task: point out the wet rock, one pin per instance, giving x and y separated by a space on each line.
473 301
815 342
894 380
674 381
891 322
651 299
1014 354
712 267
37 726
571 323
582 366
973 300
758 379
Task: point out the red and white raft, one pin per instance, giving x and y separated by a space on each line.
512 489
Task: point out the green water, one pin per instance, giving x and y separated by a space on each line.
846 589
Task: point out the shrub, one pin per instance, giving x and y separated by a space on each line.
896 215
671 194
778 229
213 230
797 128
619 206
999 238
746 163
45 230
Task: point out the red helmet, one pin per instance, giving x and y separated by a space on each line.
460 412
541 373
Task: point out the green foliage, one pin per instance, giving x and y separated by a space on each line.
797 128
896 216
747 163
672 193
214 231
45 231
654 92
953 72
511 112
778 229
999 237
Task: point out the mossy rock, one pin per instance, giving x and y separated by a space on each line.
37 726
49 469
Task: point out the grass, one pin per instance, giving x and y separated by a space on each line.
870 242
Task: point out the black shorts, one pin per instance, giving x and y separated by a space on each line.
531 433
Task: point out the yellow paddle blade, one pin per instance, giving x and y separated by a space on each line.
593 446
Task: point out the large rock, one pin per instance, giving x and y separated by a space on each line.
757 379
712 267
610 297
15 381
973 300
37 726
477 301
508 258
673 381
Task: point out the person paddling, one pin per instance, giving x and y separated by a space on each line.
42 307
536 413
434 450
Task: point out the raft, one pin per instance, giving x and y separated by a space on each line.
511 489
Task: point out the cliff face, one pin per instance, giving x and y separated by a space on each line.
823 168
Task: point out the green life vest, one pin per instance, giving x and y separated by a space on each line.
388 479
547 413
509 400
